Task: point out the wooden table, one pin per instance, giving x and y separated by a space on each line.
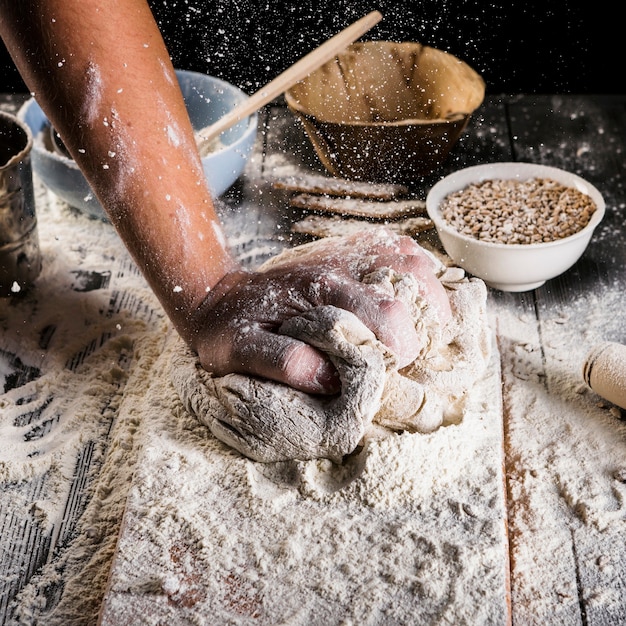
565 449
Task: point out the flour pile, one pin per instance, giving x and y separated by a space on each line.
408 529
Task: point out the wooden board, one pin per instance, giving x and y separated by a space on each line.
208 532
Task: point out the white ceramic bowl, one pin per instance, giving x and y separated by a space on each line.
207 99
512 267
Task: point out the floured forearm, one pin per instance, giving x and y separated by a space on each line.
102 74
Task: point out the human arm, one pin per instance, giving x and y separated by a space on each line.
100 71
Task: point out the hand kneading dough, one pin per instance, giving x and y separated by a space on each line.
268 421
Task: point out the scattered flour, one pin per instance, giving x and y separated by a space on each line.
410 529
566 452
74 356
398 534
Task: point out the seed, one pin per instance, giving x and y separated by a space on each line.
518 212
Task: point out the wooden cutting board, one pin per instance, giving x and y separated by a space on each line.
410 530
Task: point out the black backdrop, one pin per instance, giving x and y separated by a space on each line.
530 46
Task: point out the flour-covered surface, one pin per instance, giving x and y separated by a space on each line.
566 447
566 465
409 530
82 358
74 355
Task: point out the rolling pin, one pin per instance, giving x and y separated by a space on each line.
604 371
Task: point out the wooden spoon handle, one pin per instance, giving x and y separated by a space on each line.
296 72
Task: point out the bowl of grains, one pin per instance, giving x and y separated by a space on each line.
515 225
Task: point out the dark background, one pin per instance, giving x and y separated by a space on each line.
519 46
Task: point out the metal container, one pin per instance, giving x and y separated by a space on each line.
20 257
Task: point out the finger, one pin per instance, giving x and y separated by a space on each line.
422 268
388 318
284 360
395 327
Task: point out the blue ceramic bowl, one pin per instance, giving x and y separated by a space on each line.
207 99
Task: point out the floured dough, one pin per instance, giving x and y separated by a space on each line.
269 421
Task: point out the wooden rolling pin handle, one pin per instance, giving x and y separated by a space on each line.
604 370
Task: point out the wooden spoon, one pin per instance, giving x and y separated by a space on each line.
299 70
